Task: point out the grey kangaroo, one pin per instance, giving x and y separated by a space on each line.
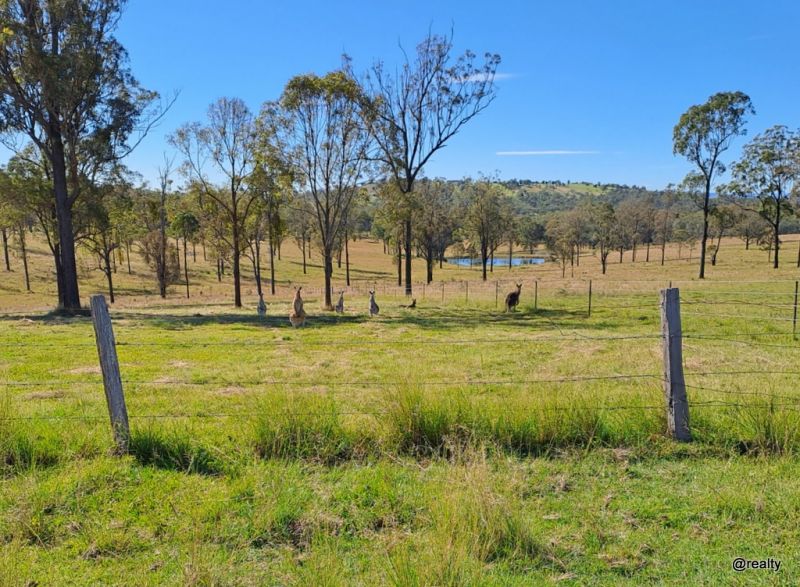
512 299
373 306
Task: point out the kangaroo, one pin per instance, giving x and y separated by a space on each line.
512 299
410 306
373 306
262 307
340 304
297 316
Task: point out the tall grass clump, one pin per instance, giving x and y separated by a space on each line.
476 522
759 428
24 446
175 450
529 424
308 427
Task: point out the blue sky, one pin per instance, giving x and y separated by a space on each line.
601 82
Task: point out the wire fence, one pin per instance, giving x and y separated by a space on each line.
559 332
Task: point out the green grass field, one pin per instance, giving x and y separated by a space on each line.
453 444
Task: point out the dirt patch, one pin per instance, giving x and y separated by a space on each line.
85 370
165 380
232 390
43 395
178 364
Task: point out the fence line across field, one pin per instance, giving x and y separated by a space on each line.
673 378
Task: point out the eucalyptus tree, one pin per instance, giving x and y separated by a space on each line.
227 141
271 181
65 84
435 221
560 239
703 133
483 219
723 218
413 112
604 231
299 222
105 203
186 225
769 171
323 136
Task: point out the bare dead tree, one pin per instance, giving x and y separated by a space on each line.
414 112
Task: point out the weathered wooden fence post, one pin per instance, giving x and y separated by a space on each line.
674 383
794 315
466 292
109 364
536 295
590 299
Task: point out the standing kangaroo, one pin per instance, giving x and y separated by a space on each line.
373 306
512 299
297 316
262 307
340 304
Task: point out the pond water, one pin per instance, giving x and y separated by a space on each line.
498 261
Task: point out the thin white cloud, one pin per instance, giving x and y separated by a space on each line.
544 153
481 77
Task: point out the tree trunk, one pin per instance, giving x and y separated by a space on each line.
237 277
777 233
798 256
304 255
185 268
647 256
346 259
162 273
663 251
219 270
108 271
704 240
128 255
178 253
484 260
399 265
328 261
5 249
71 299
271 264
408 257
621 251
256 250
24 251
510 253
194 252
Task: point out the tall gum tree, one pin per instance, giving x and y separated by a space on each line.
768 172
703 133
227 141
65 85
414 112
326 143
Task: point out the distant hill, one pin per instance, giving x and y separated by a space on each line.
551 196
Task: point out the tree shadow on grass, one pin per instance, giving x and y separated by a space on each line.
464 318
